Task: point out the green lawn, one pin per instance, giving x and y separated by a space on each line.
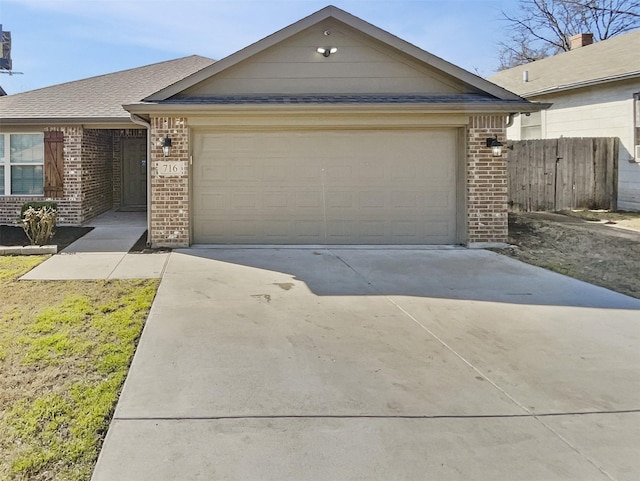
65 348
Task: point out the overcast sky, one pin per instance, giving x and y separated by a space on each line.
56 41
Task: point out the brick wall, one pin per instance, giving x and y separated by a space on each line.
69 207
170 195
486 182
88 178
97 172
69 212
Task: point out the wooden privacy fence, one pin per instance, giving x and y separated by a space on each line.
565 173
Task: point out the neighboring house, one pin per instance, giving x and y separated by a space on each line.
595 92
329 131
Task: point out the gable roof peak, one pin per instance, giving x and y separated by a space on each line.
368 29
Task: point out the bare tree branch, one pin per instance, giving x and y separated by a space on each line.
543 27
627 8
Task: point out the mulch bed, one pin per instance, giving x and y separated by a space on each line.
140 247
64 235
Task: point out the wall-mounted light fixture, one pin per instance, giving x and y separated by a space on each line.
166 146
496 146
326 51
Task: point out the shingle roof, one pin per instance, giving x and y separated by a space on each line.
453 102
608 60
98 98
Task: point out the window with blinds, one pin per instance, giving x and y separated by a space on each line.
21 164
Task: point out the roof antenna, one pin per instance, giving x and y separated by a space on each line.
5 53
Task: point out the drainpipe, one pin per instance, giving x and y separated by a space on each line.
510 119
140 121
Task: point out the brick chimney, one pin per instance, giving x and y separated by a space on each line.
581 40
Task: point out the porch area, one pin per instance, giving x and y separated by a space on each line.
85 171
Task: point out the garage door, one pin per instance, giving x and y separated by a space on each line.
325 187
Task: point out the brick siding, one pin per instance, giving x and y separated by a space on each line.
487 194
170 195
69 207
92 176
97 172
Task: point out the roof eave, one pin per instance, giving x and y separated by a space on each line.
435 107
583 84
110 122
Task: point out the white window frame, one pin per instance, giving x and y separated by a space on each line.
7 164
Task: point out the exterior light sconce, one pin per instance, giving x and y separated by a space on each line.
166 146
496 146
326 51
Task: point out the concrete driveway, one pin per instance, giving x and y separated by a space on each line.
368 364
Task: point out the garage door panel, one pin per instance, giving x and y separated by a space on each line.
338 173
210 200
276 171
306 173
405 229
371 200
336 199
211 172
368 171
306 200
276 200
439 200
342 187
406 200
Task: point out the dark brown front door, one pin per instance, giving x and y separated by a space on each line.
134 166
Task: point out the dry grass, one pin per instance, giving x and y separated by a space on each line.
596 254
620 218
65 348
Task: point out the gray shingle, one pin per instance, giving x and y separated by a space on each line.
99 97
608 59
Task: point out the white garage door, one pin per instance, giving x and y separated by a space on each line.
325 187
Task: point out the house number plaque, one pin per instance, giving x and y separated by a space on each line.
170 168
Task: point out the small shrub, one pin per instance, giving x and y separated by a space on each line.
37 206
38 219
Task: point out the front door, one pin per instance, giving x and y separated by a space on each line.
134 179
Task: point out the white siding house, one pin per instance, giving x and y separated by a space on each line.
595 92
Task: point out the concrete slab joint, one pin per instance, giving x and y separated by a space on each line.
377 364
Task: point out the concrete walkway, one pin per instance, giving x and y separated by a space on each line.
380 364
103 253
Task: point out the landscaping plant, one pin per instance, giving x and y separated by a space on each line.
38 219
